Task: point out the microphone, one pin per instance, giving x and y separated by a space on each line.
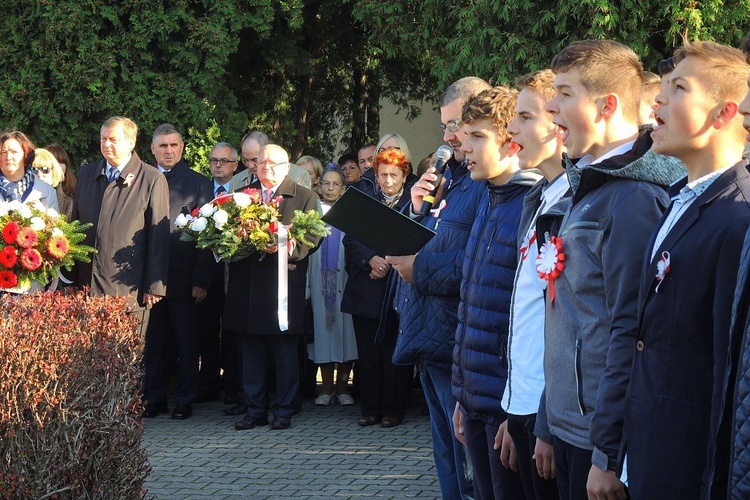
444 153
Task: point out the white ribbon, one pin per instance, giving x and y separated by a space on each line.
441 206
283 292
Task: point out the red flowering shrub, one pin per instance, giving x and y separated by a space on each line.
70 409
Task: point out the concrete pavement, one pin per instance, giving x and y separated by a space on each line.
324 455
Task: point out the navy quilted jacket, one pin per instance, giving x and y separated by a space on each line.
428 307
739 473
480 363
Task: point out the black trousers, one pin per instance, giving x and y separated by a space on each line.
383 387
491 478
257 352
180 316
209 339
521 429
572 466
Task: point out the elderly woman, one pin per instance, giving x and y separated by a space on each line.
47 168
334 340
384 387
17 179
315 168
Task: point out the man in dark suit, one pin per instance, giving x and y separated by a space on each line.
127 201
188 277
261 334
677 424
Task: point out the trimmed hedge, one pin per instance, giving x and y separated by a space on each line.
70 409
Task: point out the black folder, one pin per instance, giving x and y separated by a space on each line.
379 227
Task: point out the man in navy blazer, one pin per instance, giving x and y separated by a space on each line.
676 425
189 279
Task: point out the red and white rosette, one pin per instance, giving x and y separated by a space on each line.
662 268
550 262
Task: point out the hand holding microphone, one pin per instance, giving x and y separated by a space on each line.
443 154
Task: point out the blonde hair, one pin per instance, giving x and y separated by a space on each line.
316 164
401 145
44 159
605 67
727 68
129 128
541 82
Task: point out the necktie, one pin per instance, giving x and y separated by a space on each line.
220 190
113 174
267 195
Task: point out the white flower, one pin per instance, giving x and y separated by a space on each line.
242 199
207 210
4 209
25 212
199 224
181 221
36 223
57 232
52 212
220 218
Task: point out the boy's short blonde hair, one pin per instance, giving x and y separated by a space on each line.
541 82
728 68
497 104
605 67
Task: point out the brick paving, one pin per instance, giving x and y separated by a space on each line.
324 455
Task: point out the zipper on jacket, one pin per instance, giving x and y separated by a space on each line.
579 378
492 238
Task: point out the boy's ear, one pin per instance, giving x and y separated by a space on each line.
724 113
610 104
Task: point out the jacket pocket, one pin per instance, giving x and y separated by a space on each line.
579 378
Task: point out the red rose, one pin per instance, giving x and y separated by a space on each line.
27 237
10 232
194 213
8 279
8 257
273 227
57 246
31 259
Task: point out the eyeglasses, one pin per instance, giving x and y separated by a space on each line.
221 161
271 164
245 161
44 170
452 126
334 184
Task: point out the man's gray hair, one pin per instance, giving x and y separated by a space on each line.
233 150
256 135
463 89
165 129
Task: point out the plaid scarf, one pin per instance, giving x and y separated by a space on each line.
12 191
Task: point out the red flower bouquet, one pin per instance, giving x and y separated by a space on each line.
36 243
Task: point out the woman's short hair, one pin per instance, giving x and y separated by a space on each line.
26 145
45 159
316 164
394 157
335 170
401 145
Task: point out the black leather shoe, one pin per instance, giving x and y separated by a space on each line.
281 423
181 412
238 409
155 409
250 423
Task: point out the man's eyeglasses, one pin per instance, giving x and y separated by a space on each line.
451 126
221 161
44 170
270 163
